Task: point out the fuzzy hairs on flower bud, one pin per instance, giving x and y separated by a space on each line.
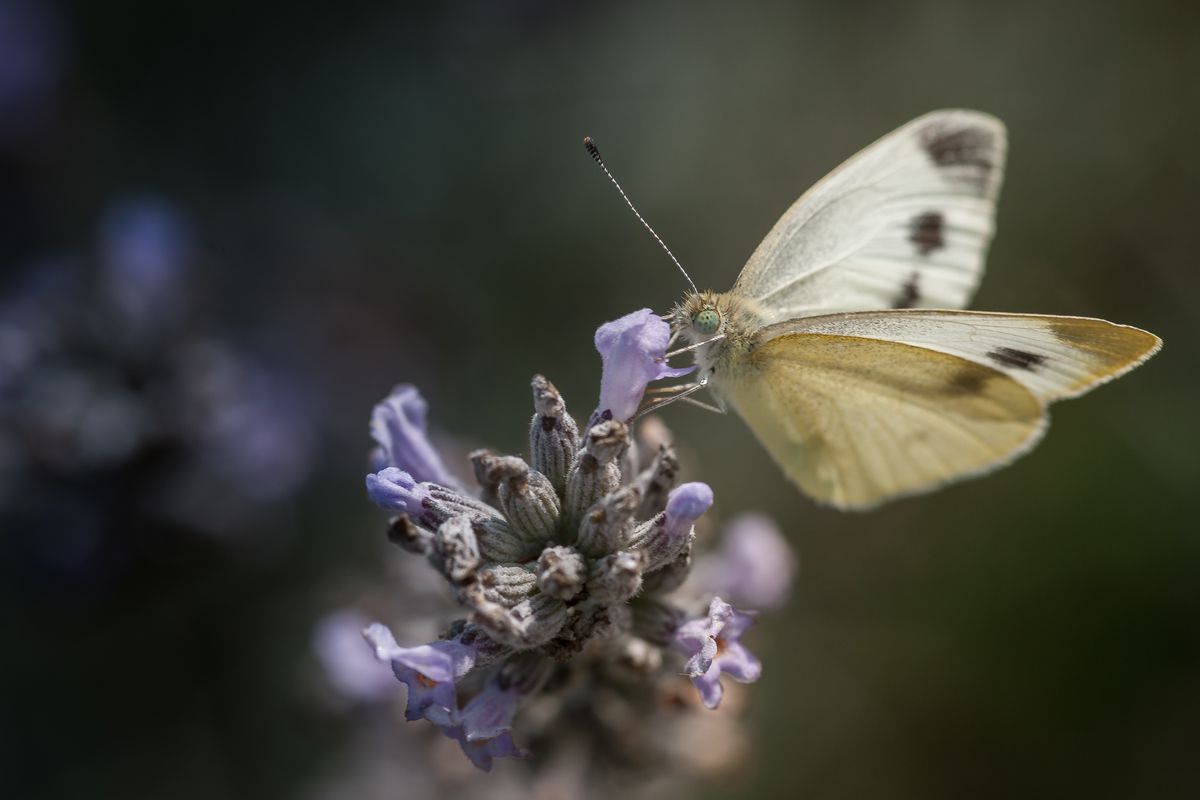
553 434
528 500
595 471
665 537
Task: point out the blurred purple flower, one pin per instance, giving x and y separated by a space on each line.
713 647
350 667
754 566
633 352
398 427
428 670
31 56
253 425
145 247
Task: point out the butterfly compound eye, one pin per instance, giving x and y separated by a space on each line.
707 321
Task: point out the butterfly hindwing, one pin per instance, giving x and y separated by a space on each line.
862 407
857 421
906 223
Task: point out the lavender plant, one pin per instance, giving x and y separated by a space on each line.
123 421
571 570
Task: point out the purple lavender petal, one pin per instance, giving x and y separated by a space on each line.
713 649
429 671
633 353
483 751
398 426
709 686
490 713
697 638
739 663
393 489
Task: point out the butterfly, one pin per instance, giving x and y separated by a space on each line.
843 345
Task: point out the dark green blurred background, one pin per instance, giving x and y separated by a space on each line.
401 192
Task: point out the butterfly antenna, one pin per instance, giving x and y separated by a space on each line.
594 152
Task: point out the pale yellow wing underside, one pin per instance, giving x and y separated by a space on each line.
855 421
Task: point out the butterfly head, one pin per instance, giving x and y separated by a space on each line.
700 316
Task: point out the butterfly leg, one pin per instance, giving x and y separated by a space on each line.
691 347
676 388
701 404
683 395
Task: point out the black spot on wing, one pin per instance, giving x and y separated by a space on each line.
969 149
969 381
1018 359
927 232
910 293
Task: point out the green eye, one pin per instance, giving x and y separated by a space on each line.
707 321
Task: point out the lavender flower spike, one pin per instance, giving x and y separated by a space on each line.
394 489
428 670
633 352
398 427
713 647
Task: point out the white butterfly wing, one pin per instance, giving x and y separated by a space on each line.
905 223
864 407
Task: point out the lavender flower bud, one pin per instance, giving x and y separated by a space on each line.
456 550
498 541
561 572
595 472
665 537
591 621
481 463
393 489
528 499
669 578
656 621
553 434
617 577
656 481
427 504
606 524
405 533
508 584
528 624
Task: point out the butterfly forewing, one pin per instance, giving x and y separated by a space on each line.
1054 357
904 224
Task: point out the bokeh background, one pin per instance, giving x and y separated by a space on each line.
375 193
